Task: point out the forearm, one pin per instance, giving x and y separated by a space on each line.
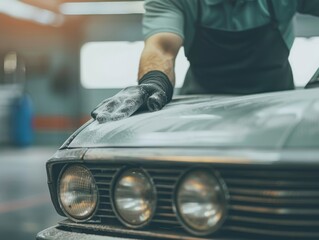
154 59
159 54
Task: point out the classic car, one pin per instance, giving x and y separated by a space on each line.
204 167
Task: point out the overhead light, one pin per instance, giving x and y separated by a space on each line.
102 8
20 10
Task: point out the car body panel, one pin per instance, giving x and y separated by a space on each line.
279 120
55 233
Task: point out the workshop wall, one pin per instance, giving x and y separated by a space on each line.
51 62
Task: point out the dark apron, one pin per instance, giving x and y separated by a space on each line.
243 62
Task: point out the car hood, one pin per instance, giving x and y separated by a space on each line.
277 120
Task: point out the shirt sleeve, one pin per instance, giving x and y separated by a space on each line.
163 16
308 7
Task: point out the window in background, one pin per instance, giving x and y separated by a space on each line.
115 64
304 59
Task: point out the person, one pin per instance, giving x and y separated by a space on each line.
233 46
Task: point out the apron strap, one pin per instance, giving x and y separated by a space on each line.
271 9
199 13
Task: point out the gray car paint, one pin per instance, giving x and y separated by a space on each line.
54 233
278 120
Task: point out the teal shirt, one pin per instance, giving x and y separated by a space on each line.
178 16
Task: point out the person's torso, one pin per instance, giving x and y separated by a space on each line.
238 15
248 61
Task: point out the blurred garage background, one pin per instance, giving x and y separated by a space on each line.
59 59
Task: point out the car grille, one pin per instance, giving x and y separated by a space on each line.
163 178
276 203
264 203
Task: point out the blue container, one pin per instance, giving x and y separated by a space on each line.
22 117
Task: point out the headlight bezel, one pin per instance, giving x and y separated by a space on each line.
115 180
92 214
225 197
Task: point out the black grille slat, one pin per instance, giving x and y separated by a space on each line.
103 171
103 178
168 215
102 211
102 216
271 221
165 211
164 183
273 210
104 196
156 177
164 192
164 207
310 175
272 183
273 193
163 170
165 221
104 191
105 205
103 183
164 186
163 200
273 203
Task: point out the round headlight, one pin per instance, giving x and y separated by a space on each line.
134 198
200 202
78 194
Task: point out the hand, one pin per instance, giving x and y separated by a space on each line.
128 101
155 90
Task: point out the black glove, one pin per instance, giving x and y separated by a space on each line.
154 91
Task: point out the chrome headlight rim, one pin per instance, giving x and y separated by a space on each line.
112 196
225 195
92 214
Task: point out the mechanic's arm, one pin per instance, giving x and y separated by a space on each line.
156 81
159 53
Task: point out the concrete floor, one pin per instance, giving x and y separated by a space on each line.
25 206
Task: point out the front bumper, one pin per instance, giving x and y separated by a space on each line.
55 233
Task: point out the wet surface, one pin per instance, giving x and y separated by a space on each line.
279 120
25 205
